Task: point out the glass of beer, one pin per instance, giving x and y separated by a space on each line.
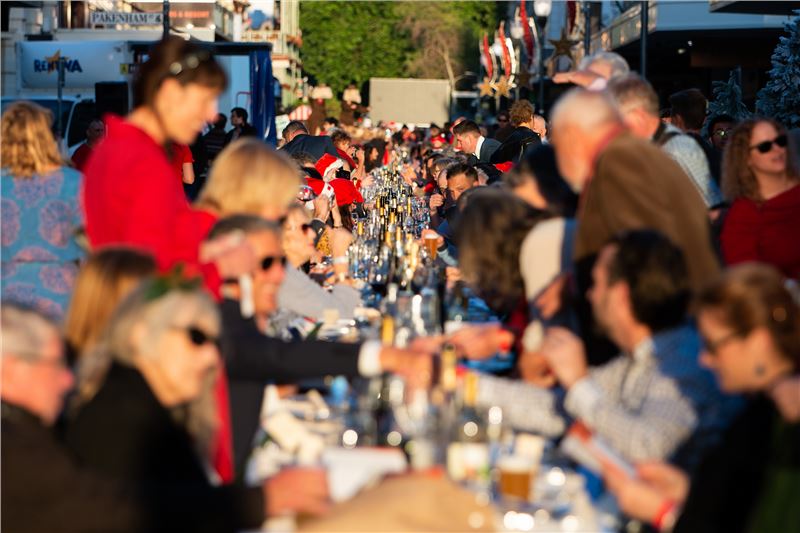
516 476
431 240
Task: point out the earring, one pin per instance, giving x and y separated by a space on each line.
759 370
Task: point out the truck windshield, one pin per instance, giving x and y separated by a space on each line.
52 105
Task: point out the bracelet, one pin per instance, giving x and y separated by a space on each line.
340 260
664 515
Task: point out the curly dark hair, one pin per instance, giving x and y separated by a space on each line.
489 236
738 181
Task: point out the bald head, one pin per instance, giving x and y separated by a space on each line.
580 121
585 110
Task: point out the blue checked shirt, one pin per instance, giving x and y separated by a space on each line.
692 159
645 405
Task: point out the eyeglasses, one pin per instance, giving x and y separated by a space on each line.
766 146
713 347
190 62
197 336
268 261
302 227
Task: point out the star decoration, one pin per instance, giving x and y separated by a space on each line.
487 87
563 45
503 87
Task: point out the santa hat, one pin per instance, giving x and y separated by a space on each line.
327 165
344 190
346 157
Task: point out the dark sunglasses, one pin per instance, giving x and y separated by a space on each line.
197 336
766 146
268 261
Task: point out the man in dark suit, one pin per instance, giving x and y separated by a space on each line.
253 358
297 140
43 488
240 126
470 141
522 139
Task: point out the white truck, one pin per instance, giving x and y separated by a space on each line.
409 100
34 77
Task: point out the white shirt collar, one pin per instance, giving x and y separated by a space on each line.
478 146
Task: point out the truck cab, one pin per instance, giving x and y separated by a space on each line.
76 113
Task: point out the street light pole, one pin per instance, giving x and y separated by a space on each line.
643 38
541 8
587 28
165 32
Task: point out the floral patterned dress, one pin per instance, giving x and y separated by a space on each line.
41 217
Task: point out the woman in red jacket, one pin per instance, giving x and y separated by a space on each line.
760 180
131 195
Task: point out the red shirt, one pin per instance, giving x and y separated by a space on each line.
181 154
81 156
765 232
131 197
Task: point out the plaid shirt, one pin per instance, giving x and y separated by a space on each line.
644 405
692 159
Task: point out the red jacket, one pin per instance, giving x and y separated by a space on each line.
765 232
131 197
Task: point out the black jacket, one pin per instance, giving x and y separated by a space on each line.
749 482
252 360
316 145
125 433
45 491
520 141
247 131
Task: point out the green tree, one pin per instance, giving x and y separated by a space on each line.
728 99
780 98
352 41
445 35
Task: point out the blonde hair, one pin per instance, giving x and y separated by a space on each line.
104 280
28 146
247 176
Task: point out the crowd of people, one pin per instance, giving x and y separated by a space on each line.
643 269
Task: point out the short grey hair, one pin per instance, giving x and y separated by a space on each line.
25 331
585 109
634 92
619 66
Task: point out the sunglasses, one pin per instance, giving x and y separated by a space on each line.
197 336
302 227
713 347
190 62
268 261
766 146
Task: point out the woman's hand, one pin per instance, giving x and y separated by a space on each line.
322 207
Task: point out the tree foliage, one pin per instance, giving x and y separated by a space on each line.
445 35
354 41
728 99
780 98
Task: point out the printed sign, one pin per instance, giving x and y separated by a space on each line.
131 19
